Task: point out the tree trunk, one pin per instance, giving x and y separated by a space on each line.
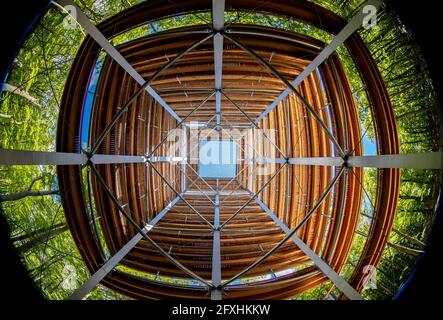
13 89
25 194
417 181
409 251
414 112
399 248
42 238
412 239
35 233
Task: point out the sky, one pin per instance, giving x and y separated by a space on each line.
217 159
369 146
88 104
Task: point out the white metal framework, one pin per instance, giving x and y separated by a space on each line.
344 162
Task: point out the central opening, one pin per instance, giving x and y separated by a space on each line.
217 159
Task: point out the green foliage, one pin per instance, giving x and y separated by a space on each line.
41 68
278 22
407 79
99 10
415 105
318 293
103 293
153 27
49 260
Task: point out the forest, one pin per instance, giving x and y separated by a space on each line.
29 107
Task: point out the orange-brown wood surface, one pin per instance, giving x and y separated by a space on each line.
290 195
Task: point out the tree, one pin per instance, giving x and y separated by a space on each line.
28 193
42 238
29 113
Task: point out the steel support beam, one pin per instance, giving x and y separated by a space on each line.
167 159
216 292
218 14
341 37
98 276
291 232
145 236
184 156
431 160
25 157
252 198
137 93
292 88
288 168
180 124
338 281
199 177
327 161
218 23
198 188
315 161
218 47
109 159
19 157
92 30
211 226
254 124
